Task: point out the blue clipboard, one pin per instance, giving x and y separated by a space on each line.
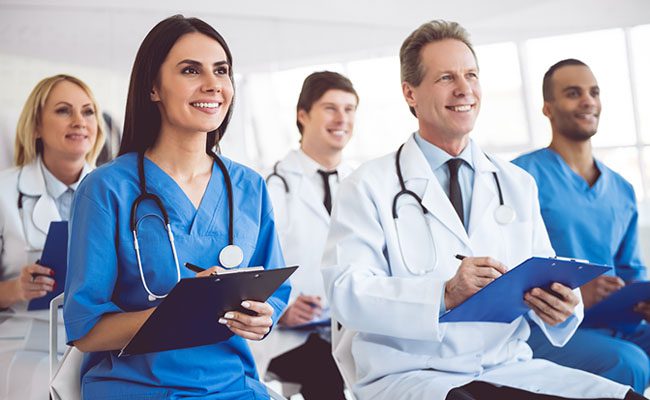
617 310
188 316
55 256
503 299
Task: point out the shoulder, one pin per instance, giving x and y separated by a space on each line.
374 173
512 171
111 177
9 176
532 161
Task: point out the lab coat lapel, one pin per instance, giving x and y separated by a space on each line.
415 166
32 183
304 191
484 193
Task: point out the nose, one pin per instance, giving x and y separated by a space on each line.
588 101
212 84
463 87
78 120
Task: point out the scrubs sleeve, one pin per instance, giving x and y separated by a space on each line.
627 259
269 254
560 334
92 267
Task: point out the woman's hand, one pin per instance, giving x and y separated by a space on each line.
249 326
34 281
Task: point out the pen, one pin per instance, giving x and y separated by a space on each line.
460 257
193 267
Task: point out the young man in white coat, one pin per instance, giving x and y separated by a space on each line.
390 268
302 189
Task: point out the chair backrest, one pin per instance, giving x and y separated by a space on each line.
342 353
65 375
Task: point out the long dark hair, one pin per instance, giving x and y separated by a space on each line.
142 119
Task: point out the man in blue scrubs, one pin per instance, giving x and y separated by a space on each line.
590 213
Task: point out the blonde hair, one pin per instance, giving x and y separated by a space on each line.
26 148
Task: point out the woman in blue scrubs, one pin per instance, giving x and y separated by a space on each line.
178 108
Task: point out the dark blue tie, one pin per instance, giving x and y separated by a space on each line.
327 200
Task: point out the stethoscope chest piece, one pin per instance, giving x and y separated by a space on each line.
151 297
504 214
231 256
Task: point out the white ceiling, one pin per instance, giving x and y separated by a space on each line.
267 35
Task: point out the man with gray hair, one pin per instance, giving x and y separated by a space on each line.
416 233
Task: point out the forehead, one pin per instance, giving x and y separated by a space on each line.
68 92
447 55
337 96
198 47
573 76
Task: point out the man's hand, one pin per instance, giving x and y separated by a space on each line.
473 274
301 311
552 308
596 290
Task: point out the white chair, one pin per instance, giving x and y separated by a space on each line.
342 353
64 375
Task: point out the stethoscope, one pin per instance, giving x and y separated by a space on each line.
276 174
425 256
230 256
21 214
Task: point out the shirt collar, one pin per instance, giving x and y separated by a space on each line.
308 164
436 157
55 188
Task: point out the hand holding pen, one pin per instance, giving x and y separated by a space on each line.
473 274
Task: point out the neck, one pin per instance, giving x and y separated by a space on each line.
183 158
451 145
577 154
328 159
65 170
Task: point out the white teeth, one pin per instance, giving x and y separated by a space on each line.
338 133
206 105
461 108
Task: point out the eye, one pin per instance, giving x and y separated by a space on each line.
472 75
445 78
62 110
572 94
595 92
88 112
222 70
190 70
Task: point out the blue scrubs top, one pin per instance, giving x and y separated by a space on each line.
597 223
103 276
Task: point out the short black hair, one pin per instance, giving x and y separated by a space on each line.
315 86
547 86
142 119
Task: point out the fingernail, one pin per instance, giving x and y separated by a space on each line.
223 321
245 304
54 286
51 272
230 315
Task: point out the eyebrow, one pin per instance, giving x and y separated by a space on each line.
566 89
198 64
70 105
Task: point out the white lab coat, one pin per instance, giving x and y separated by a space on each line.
24 334
302 223
401 350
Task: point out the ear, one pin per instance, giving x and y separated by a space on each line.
546 109
154 95
303 117
409 94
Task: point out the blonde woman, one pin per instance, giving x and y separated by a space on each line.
58 138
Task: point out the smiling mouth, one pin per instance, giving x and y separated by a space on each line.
212 105
76 136
461 108
338 132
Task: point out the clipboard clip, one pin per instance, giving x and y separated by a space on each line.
578 260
